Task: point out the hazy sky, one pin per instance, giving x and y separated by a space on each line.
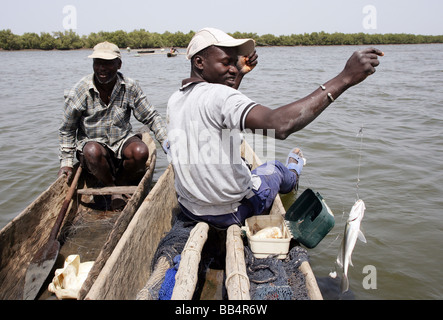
261 16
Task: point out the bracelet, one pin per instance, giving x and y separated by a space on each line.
329 94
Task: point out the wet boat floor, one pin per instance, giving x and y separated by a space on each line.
84 236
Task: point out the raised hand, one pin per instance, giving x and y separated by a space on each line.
246 63
360 65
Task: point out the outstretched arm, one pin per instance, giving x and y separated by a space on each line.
296 115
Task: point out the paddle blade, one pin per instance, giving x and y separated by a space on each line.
39 269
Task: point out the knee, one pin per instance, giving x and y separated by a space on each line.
141 152
93 151
138 152
267 168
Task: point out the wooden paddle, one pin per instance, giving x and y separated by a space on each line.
44 259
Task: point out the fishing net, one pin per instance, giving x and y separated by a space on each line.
170 248
270 278
87 233
173 243
167 286
274 279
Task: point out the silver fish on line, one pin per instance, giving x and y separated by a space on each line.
351 234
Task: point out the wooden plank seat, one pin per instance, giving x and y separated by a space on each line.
107 190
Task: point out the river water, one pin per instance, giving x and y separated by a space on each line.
397 157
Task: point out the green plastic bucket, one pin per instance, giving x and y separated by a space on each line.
309 219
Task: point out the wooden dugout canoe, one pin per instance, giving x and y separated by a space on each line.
127 272
145 51
25 234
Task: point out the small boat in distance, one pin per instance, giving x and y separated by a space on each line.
145 51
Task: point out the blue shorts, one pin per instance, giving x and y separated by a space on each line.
275 179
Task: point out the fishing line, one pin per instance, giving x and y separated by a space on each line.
360 133
357 186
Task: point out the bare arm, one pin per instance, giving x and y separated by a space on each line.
296 115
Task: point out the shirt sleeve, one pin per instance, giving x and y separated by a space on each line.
68 130
235 109
145 112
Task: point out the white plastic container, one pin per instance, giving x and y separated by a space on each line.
308 220
262 248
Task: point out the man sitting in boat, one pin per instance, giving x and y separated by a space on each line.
96 123
213 184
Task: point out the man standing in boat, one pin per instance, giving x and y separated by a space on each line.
96 123
208 107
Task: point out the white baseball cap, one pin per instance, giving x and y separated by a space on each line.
106 50
207 37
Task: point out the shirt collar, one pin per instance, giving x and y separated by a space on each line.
189 81
120 82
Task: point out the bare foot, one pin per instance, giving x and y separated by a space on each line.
118 202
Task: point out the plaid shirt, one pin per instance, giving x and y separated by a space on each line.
88 118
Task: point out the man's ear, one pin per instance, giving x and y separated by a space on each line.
198 62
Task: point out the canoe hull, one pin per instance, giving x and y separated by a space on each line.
127 269
25 234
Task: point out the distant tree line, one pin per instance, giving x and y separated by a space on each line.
137 39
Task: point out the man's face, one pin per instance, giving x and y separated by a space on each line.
106 70
220 65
